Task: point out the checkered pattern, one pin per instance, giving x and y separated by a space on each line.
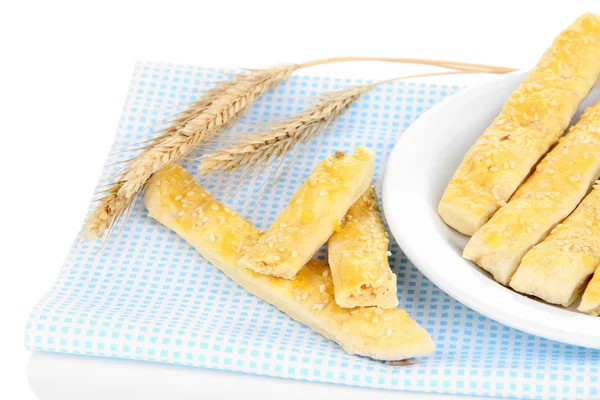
148 295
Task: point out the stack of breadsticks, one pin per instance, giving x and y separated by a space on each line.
352 301
525 192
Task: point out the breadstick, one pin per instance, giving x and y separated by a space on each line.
222 236
559 183
557 269
358 258
590 302
312 215
531 121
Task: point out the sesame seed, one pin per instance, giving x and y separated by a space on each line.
318 307
283 224
298 201
494 169
388 253
294 253
271 244
375 319
212 237
378 282
214 207
281 249
298 297
378 311
325 273
323 193
322 288
304 296
181 213
178 197
276 257
354 311
389 332
190 193
204 219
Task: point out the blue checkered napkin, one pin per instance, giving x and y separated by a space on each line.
150 296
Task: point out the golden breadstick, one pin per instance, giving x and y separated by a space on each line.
222 236
559 183
358 258
532 120
590 302
557 269
312 215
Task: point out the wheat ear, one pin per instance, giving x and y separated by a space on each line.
213 112
260 149
209 115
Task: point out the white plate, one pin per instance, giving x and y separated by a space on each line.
417 172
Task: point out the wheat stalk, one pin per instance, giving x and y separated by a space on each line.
260 149
492 69
206 117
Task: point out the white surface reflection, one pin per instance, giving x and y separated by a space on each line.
68 377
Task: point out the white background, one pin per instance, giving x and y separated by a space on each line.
64 72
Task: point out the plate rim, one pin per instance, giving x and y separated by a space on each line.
394 219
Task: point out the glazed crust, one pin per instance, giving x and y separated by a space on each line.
312 214
558 268
552 192
222 236
358 258
531 121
